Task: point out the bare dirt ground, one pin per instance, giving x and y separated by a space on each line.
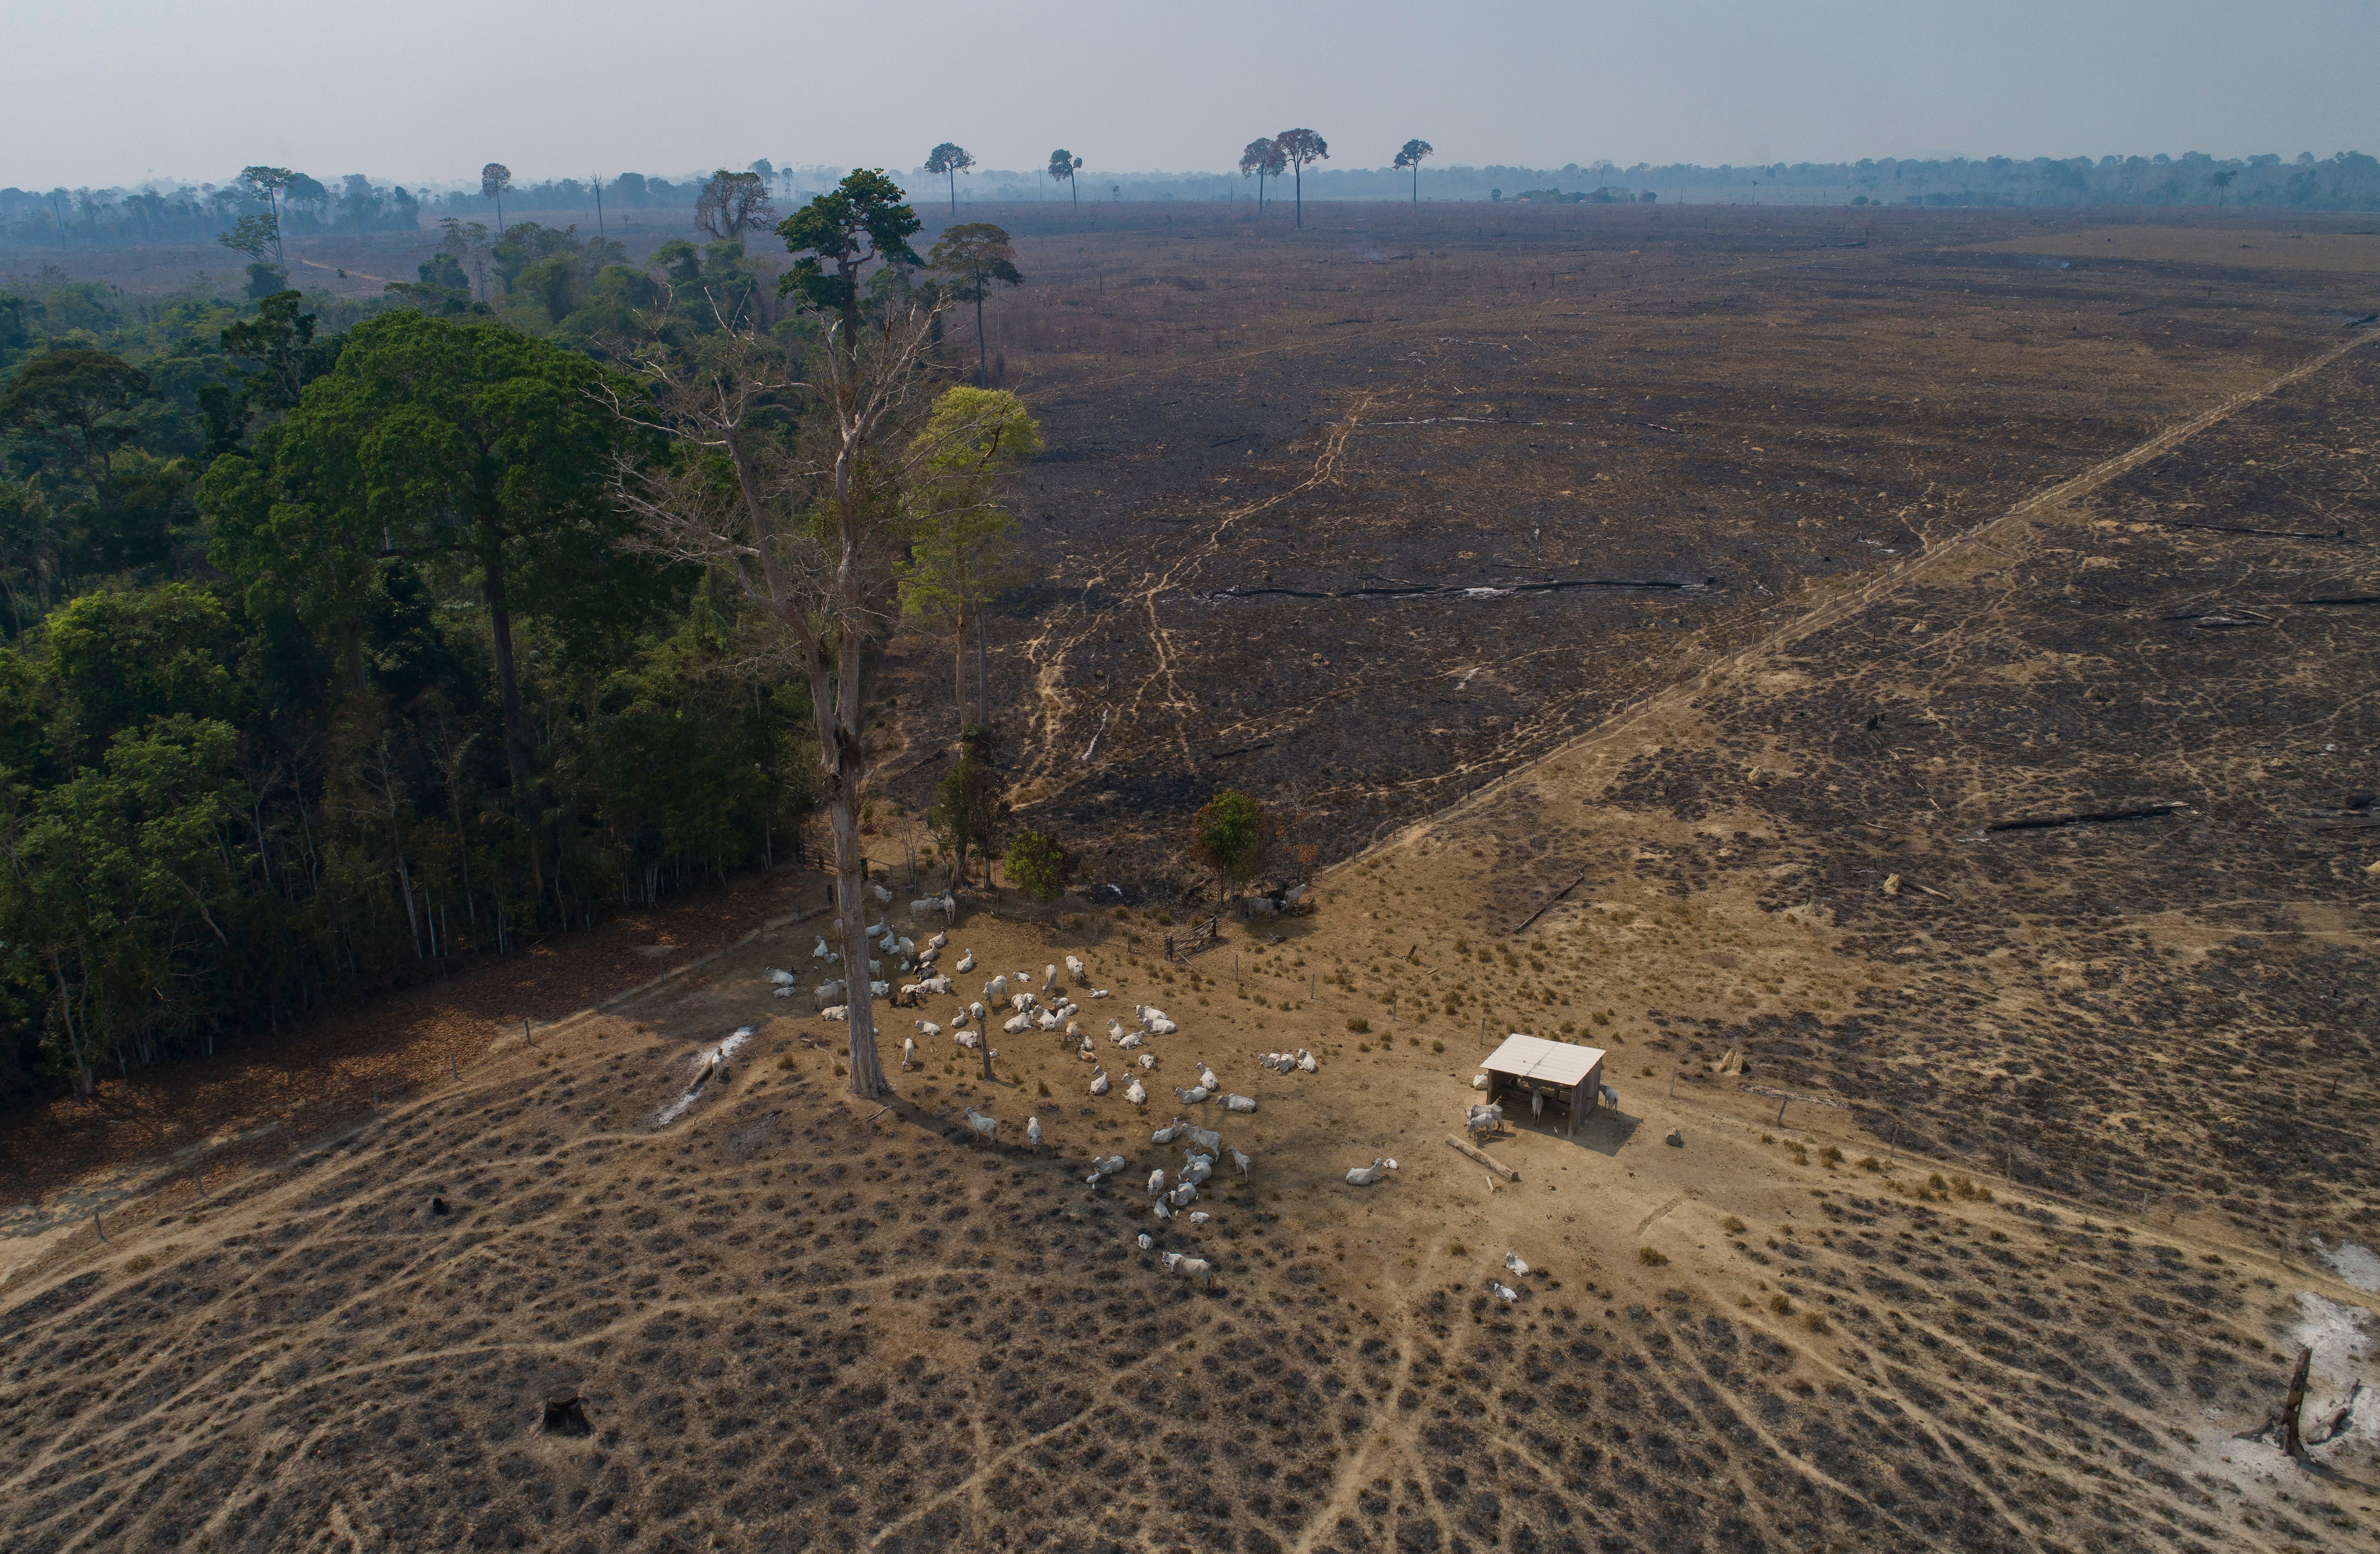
2036 859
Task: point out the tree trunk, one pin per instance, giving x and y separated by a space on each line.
1297 174
526 808
983 674
958 677
982 372
851 912
84 1082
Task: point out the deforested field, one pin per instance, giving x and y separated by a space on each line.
1909 703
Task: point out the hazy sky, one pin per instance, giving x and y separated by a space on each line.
430 90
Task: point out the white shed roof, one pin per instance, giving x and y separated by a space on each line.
1549 1062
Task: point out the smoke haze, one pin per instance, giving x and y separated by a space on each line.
431 91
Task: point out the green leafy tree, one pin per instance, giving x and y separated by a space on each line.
967 802
494 179
972 259
1039 867
1063 166
32 546
961 538
1262 159
256 236
463 446
118 659
859 222
280 344
1300 148
948 161
78 402
1411 156
113 871
1231 834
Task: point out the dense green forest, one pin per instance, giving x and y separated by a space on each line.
328 655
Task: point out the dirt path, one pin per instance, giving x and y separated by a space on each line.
346 271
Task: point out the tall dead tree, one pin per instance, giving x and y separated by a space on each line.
788 477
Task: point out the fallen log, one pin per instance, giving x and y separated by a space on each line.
1550 903
2086 818
1491 1162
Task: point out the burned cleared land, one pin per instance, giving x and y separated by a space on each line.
1361 520
1975 866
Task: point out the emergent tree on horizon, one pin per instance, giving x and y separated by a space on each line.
1262 159
1064 163
949 161
1299 147
494 179
1411 156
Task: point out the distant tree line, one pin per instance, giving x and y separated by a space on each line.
86 217
2349 180
198 213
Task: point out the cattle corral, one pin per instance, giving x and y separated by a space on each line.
2041 845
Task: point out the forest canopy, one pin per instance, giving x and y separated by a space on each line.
327 655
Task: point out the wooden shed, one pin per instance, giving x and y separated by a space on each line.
1531 1065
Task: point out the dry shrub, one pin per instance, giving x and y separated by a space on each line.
1731 1225
1833 1156
1780 1303
1816 1322
140 1264
1652 1257
1041 1087
1360 1026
